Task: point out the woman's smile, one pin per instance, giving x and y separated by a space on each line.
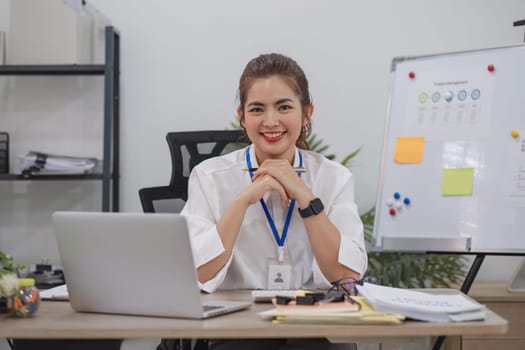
274 136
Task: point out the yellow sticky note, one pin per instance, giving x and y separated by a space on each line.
457 182
409 149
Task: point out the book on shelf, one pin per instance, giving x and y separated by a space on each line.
39 163
418 305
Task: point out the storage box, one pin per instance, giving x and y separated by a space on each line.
55 32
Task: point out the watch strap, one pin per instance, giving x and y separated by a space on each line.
314 207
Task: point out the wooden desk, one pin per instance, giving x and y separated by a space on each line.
58 320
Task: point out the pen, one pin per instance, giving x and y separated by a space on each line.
297 169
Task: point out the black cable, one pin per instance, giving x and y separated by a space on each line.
11 345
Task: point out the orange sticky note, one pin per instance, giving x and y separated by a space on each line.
457 182
409 149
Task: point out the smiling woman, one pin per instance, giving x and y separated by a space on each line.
273 227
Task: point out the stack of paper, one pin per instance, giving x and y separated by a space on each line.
56 293
37 163
342 314
423 306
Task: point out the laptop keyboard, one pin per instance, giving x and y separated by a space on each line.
211 307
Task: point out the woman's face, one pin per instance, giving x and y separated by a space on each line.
273 118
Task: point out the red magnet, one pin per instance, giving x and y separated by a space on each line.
491 68
411 75
392 211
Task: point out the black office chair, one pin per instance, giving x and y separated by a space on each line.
187 149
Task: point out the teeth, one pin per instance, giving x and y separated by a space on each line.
273 134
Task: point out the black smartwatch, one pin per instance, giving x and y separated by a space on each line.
315 207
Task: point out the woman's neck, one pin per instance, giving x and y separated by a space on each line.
262 157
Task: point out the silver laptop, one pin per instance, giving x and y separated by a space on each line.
132 263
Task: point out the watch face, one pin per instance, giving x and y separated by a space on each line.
317 206
314 208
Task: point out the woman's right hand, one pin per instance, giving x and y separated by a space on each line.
256 190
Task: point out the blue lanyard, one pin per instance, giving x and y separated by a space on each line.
279 240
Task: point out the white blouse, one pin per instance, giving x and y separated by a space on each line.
213 185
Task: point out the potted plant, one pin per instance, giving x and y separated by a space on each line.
22 297
8 275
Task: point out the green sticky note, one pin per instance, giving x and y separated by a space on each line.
457 182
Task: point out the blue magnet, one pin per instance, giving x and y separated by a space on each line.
406 201
397 195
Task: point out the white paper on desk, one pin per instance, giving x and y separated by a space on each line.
56 293
423 306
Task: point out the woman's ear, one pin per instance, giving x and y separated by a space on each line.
239 116
308 112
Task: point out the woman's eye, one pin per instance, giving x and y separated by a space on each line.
255 110
284 107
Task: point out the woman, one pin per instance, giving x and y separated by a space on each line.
274 227
257 220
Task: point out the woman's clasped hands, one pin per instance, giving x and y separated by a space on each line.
280 176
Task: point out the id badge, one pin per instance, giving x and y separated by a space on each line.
279 273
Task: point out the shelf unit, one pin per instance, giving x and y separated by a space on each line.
110 162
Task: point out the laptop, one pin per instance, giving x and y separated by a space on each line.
132 263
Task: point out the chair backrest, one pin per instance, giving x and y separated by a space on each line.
188 149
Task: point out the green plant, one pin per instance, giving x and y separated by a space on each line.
7 264
8 275
412 270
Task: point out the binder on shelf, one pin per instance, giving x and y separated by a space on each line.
38 163
4 153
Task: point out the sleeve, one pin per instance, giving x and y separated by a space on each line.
205 240
343 213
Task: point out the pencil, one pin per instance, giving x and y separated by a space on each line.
297 169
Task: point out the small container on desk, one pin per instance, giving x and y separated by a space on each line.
26 301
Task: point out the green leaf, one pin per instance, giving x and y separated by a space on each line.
7 264
351 156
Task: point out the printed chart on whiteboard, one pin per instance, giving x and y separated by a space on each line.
450 105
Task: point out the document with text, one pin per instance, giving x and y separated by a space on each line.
421 305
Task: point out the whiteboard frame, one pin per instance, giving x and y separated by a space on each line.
423 244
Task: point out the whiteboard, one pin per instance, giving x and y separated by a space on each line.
454 154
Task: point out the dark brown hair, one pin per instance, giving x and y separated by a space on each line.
268 65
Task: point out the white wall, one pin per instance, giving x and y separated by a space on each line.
181 60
